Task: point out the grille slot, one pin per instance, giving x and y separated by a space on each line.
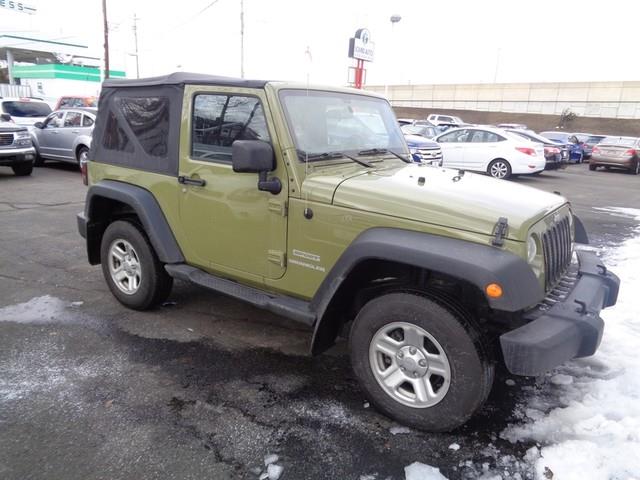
556 247
6 139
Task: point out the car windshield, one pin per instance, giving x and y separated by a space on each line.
26 109
534 137
619 141
595 139
558 137
421 130
324 122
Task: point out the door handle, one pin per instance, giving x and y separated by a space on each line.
75 131
198 182
53 132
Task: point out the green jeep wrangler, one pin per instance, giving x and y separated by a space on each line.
303 201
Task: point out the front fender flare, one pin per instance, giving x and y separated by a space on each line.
477 264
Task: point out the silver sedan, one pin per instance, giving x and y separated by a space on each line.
65 135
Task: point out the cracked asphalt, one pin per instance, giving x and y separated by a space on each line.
205 386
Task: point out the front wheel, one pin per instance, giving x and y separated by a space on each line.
131 268
419 361
22 169
82 155
499 168
592 167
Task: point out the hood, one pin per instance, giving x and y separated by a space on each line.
472 203
8 127
416 141
28 121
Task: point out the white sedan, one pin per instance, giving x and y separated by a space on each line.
490 150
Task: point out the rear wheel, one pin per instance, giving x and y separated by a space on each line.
131 268
499 168
636 170
592 167
22 169
419 361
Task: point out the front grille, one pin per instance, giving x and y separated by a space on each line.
430 153
556 247
6 139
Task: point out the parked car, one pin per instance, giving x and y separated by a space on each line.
16 150
576 152
556 155
439 275
77 102
25 110
490 150
512 126
588 141
425 131
438 119
65 135
424 150
617 152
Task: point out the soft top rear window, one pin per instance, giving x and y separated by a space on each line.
17 108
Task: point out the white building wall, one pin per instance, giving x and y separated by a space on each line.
588 99
51 89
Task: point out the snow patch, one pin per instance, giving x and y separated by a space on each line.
270 458
420 471
589 423
454 446
399 430
38 310
274 471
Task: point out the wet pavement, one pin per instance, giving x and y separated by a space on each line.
205 386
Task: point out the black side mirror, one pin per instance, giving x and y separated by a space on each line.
5 117
38 125
255 156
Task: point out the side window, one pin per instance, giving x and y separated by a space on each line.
220 120
482 136
72 119
114 137
54 120
458 136
445 119
66 102
87 121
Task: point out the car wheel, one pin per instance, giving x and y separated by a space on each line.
592 167
22 169
419 361
499 168
82 155
131 268
39 161
636 171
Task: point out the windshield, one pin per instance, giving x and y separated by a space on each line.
421 130
620 141
558 137
534 137
322 122
26 109
595 139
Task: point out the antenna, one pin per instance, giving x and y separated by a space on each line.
135 39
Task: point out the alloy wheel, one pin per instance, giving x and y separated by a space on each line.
124 266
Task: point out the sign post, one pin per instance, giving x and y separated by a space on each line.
361 49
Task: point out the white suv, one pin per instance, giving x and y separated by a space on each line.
438 119
25 111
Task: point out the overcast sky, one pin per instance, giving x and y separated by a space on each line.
462 41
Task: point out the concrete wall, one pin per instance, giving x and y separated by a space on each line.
586 99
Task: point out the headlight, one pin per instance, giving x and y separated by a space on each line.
413 151
23 134
532 249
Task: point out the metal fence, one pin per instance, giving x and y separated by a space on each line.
7 90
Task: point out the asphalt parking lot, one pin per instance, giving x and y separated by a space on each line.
205 386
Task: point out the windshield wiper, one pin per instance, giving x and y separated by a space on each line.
330 155
379 151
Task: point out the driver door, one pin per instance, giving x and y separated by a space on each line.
453 148
230 226
49 136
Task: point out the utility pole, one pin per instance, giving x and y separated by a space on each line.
135 38
106 39
241 38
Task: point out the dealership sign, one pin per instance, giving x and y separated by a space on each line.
361 47
16 6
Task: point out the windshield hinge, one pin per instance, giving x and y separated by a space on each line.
278 206
500 232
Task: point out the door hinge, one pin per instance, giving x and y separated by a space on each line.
278 206
277 256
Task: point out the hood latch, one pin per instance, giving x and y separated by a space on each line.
500 232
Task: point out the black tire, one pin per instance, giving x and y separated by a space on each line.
155 282
471 370
492 171
81 151
592 167
636 170
39 161
22 169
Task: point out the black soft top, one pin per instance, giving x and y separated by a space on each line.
185 78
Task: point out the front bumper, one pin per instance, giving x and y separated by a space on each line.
570 328
11 156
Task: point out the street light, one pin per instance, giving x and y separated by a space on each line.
394 19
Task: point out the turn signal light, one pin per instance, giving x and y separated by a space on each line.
493 290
